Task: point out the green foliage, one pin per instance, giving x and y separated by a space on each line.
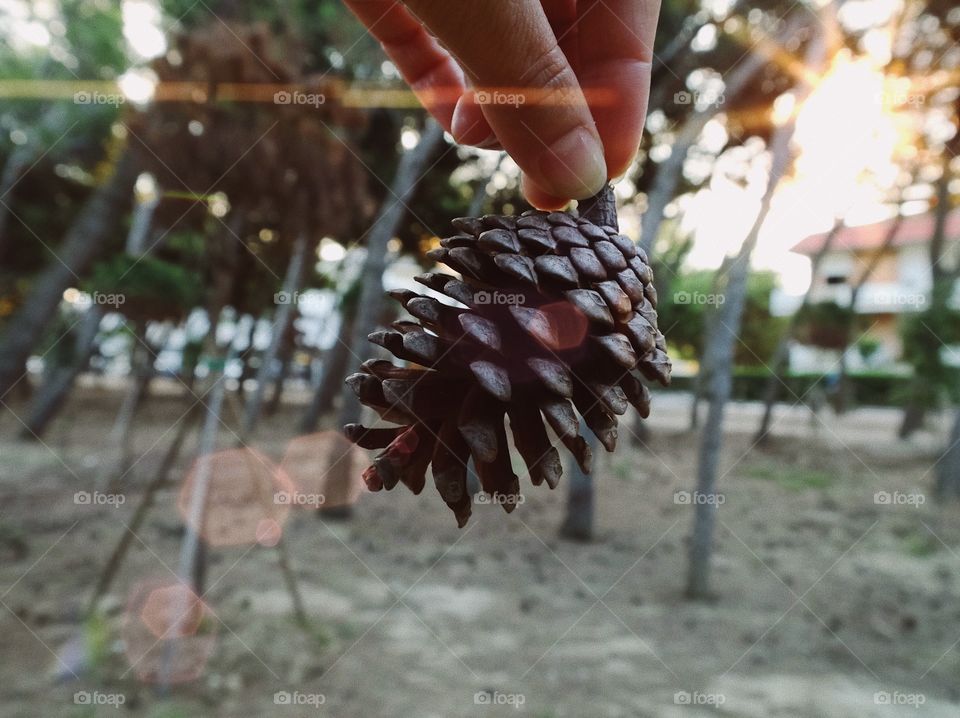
868 388
823 324
94 34
924 337
691 301
151 288
921 544
97 638
867 346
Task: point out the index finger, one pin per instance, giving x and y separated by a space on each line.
433 75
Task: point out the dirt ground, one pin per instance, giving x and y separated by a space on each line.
831 599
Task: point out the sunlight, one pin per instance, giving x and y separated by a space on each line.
847 140
847 137
141 28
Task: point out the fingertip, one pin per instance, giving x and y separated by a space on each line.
540 198
469 126
573 166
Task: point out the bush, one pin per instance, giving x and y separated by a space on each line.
868 388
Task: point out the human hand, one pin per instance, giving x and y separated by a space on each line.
563 84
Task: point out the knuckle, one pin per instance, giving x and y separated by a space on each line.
549 70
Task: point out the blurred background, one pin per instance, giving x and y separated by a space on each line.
194 195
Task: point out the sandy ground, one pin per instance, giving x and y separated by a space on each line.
830 601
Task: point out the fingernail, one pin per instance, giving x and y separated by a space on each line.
574 166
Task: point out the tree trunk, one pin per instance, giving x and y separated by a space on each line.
781 356
13 169
54 397
285 358
282 321
578 522
189 565
143 372
948 468
86 237
50 397
730 316
943 280
843 383
409 173
701 386
667 177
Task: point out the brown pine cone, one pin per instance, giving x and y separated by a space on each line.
556 314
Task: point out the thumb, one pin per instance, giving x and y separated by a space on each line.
526 89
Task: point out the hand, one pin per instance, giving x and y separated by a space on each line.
563 84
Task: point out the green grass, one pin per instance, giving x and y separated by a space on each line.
792 478
921 544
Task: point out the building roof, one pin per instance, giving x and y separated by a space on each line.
916 229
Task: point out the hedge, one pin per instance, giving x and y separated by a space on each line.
869 388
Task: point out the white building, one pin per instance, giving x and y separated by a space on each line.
900 283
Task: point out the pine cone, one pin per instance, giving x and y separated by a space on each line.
557 312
